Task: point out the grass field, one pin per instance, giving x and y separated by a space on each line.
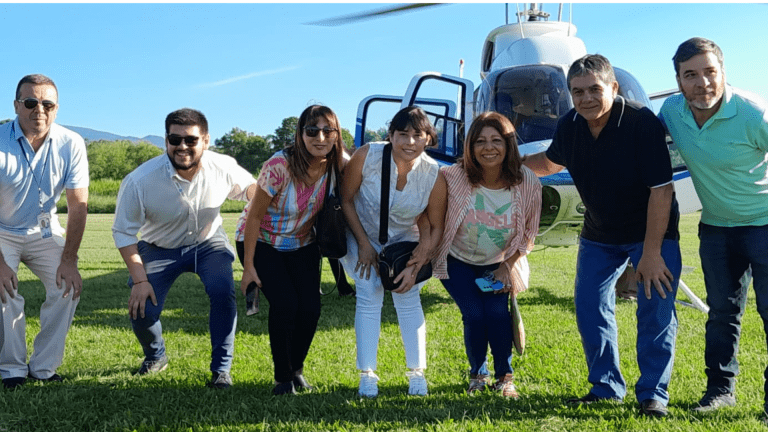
101 394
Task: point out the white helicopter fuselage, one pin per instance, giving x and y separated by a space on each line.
523 71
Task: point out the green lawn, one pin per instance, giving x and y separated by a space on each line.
100 394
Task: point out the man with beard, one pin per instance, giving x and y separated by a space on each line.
722 134
174 201
38 160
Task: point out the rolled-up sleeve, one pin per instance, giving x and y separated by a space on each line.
531 197
129 215
240 179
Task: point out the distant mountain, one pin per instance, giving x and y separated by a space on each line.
94 135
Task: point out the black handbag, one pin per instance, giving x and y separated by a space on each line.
393 257
330 225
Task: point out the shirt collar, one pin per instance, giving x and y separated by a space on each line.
727 108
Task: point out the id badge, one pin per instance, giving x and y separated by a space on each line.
44 221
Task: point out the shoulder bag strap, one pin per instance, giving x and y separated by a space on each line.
386 160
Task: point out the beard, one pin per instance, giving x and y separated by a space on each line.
179 167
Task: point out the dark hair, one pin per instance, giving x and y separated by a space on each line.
186 117
36 79
511 172
299 157
414 117
592 64
693 47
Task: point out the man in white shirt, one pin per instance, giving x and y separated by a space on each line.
174 201
38 160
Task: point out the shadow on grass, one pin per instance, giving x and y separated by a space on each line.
157 404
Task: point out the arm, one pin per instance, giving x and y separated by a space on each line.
259 205
353 178
431 226
651 269
8 281
540 164
141 289
67 275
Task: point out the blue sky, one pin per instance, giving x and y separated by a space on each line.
121 68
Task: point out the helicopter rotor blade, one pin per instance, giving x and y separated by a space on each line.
372 14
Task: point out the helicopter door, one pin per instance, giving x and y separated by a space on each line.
443 91
374 113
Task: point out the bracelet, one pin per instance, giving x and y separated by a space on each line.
136 283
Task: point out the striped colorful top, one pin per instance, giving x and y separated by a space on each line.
526 198
288 223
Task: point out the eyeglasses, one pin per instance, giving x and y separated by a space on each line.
313 131
31 103
190 140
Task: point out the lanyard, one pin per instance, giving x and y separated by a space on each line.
32 171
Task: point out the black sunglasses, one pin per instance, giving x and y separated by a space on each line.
190 140
31 103
313 131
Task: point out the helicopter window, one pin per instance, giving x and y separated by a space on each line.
630 88
533 98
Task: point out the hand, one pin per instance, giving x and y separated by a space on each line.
9 283
513 282
419 257
138 300
651 270
249 275
68 278
407 278
367 258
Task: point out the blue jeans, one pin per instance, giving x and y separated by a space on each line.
598 267
726 254
485 315
212 261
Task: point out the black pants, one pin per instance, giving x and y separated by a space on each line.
291 282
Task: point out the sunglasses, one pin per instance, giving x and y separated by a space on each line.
313 131
31 103
176 140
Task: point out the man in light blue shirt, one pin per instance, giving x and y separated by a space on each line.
722 134
38 160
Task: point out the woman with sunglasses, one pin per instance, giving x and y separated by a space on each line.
494 205
281 256
416 193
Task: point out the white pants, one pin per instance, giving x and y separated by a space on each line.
42 257
370 298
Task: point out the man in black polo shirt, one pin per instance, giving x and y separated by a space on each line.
616 153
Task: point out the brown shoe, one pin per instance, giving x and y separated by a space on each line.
478 383
506 387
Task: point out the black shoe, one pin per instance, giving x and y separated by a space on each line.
653 408
715 399
220 380
300 383
153 366
283 388
591 398
13 383
53 378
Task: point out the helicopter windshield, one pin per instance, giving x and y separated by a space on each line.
532 97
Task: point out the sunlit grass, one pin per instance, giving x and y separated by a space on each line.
101 394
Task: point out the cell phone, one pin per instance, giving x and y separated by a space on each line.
488 283
251 299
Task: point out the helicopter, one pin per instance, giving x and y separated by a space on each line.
523 73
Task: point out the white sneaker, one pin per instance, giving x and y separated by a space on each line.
369 384
417 384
